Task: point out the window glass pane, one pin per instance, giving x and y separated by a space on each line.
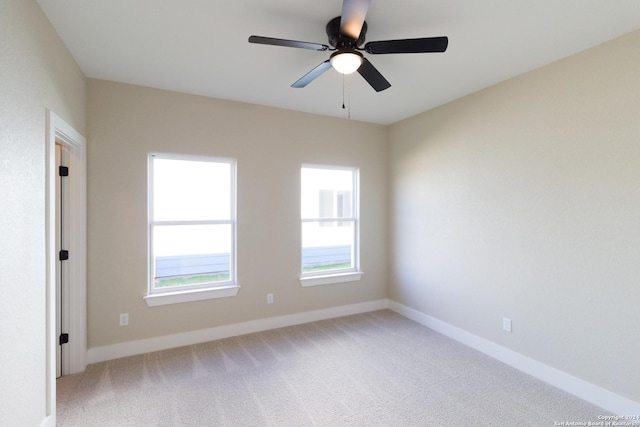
327 245
187 190
322 190
191 254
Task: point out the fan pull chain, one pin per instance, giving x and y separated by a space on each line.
349 98
349 101
343 91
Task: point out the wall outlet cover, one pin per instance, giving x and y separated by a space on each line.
506 324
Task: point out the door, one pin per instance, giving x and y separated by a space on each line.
69 297
61 215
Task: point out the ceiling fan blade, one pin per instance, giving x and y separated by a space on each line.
373 76
287 43
352 17
427 44
313 74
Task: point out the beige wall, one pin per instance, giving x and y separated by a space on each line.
523 201
127 122
36 73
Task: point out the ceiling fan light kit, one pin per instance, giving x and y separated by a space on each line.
346 34
346 62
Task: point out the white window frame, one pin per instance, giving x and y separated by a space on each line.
338 275
156 297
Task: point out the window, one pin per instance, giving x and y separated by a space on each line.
329 213
192 228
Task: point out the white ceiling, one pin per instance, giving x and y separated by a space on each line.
200 47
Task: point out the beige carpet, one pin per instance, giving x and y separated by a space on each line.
373 369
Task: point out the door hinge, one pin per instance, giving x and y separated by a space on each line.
64 255
63 171
64 338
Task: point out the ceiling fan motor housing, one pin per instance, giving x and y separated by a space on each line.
337 40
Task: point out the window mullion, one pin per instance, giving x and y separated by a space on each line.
197 222
349 218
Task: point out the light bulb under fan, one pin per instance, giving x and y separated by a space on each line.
346 62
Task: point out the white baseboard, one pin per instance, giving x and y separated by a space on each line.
132 348
49 421
598 396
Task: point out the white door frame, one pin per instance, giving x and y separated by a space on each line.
75 306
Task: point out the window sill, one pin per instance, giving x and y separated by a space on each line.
193 295
353 276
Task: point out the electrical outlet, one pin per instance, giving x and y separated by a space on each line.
124 319
269 298
506 324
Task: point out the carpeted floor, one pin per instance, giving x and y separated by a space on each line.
373 369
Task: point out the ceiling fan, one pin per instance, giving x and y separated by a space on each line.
346 35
